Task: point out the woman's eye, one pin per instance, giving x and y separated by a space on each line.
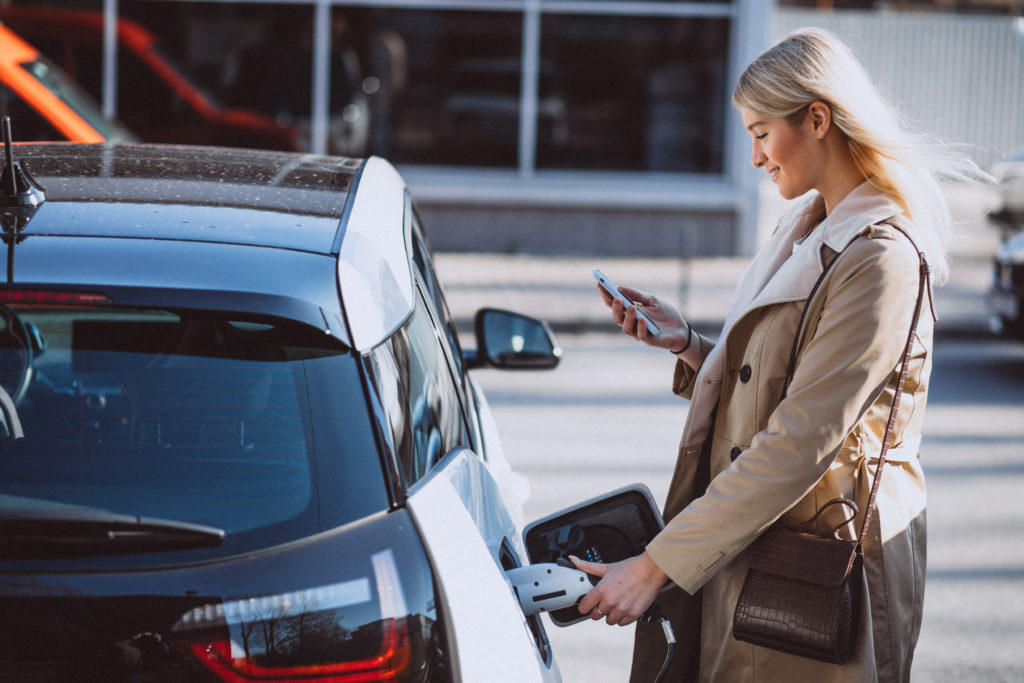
762 136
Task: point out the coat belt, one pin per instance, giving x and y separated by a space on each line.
905 453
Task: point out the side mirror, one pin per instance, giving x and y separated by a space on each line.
609 528
511 341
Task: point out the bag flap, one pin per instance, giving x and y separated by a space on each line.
803 556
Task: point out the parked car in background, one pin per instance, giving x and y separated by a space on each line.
1007 289
157 99
241 438
46 104
1009 174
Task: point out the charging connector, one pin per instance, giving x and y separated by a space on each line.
548 586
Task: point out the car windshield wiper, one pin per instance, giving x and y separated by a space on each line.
74 530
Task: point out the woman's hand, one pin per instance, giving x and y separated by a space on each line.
625 591
674 330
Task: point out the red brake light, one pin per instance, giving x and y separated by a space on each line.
47 296
295 637
386 666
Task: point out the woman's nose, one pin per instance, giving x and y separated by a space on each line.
757 157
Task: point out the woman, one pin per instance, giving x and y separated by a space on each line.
817 124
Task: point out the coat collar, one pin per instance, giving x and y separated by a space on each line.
790 262
865 205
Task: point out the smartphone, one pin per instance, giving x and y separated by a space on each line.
613 289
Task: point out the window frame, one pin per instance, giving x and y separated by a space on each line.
740 14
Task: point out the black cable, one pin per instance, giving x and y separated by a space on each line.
653 613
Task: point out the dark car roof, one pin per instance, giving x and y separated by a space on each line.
228 196
188 227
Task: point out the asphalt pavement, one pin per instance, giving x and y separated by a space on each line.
561 290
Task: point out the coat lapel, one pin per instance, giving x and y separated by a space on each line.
785 270
798 266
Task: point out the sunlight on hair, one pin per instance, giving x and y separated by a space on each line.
813 64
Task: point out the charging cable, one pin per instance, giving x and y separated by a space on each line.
653 613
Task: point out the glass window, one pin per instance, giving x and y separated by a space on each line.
74 98
441 87
415 386
27 124
193 417
632 93
427 273
253 56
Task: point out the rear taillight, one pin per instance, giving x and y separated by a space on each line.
305 636
52 297
387 665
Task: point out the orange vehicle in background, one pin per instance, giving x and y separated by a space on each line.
157 99
43 103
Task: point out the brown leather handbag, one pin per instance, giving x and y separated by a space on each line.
802 593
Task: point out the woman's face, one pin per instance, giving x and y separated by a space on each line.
788 152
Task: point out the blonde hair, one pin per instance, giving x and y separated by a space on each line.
812 64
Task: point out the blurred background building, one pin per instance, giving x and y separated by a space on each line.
552 126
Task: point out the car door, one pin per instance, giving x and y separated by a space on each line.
469 540
468 531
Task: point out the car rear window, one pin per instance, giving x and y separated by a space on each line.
256 427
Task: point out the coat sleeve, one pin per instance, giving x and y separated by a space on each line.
682 382
841 370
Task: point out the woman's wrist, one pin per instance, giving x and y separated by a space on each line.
689 340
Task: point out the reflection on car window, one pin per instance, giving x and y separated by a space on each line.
415 385
425 266
199 418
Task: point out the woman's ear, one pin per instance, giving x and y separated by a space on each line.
819 116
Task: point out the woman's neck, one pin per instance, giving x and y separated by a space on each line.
841 179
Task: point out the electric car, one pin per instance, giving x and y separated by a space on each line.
240 436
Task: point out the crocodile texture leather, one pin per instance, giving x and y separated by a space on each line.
801 596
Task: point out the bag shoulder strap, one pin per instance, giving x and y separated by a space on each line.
924 279
923 286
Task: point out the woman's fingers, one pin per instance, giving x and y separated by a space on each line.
633 324
629 321
627 589
593 568
590 604
639 296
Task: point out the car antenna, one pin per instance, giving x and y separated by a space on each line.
19 187
20 196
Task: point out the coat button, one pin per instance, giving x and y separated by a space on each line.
745 373
735 453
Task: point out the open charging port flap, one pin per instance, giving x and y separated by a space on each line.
608 528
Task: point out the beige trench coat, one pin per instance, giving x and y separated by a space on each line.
772 460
